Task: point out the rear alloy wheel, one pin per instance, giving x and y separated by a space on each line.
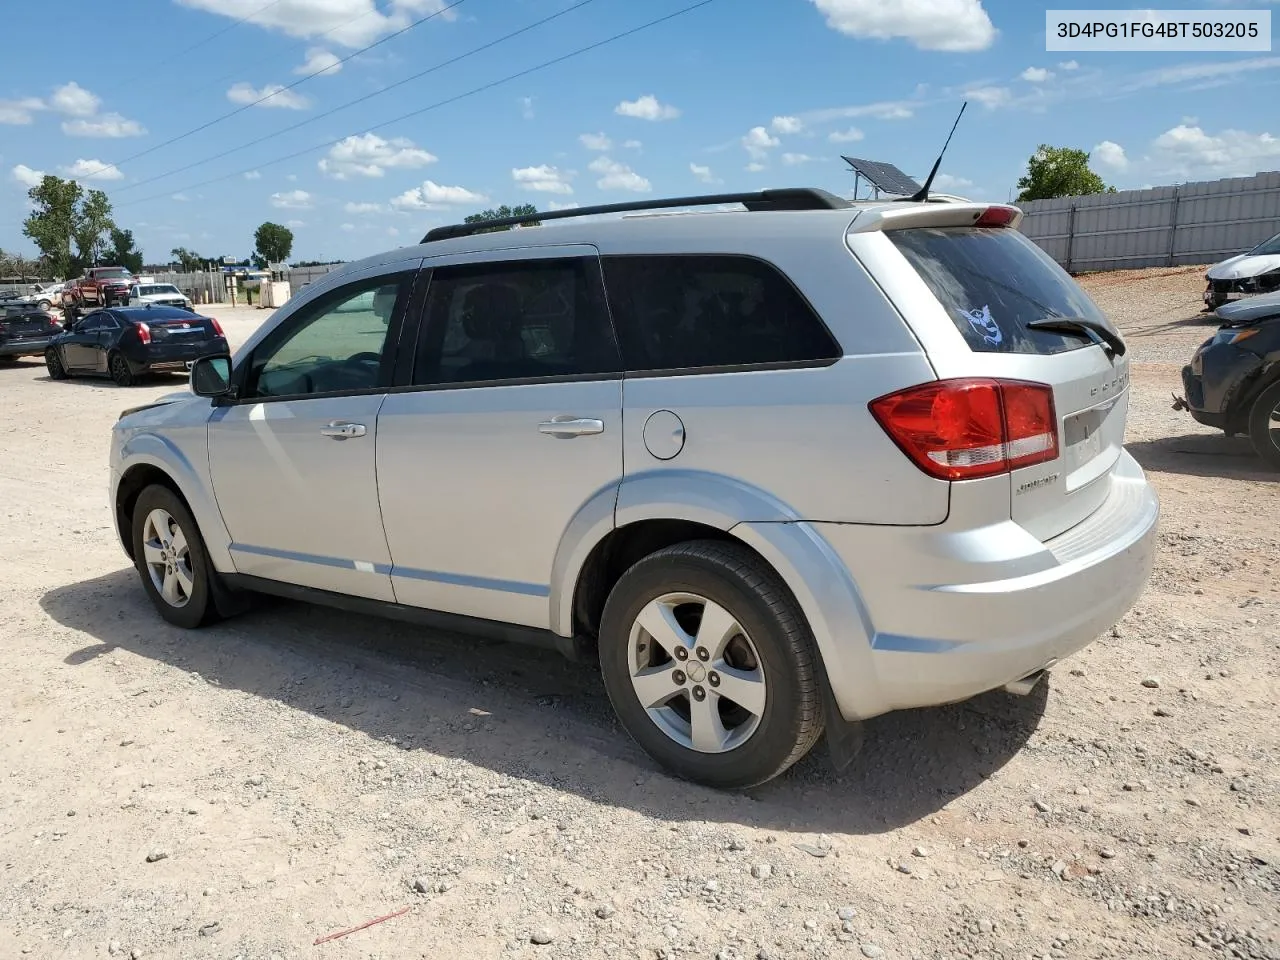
170 557
1264 426
710 665
54 362
120 370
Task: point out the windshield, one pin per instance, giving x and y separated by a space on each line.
115 273
1266 247
993 282
158 289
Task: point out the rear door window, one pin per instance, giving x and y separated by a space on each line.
992 282
696 312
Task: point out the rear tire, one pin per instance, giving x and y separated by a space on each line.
120 370
54 363
170 557
1264 426
740 703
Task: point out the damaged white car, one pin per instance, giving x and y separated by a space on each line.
1246 275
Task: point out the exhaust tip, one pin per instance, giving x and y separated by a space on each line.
1028 683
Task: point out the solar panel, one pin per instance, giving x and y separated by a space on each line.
885 177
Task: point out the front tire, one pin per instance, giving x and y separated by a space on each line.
710 664
170 557
54 363
120 371
1264 426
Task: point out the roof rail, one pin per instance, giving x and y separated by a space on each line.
788 198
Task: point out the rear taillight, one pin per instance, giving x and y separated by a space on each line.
970 428
217 327
144 333
996 217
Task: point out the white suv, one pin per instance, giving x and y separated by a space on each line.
779 469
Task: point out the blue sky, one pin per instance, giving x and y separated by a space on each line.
734 95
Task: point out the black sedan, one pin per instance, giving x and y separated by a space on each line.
126 343
25 331
1233 380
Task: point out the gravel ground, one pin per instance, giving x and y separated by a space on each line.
246 790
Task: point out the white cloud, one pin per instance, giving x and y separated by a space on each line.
295 224
882 110
946 183
351 23
292 200
543 179
754 167
704 173
26 176
292 177
74 100
953 25
1036 75
363 208
632 144
758 142
180 197
646 108
596 141
19 112
1069 65
369 155
556 205
618 176
253 175
852 135
347 227
1188 72
319 61
273 95
92 170
526 108
1187 151
431 195
787 125
990 97
795 159
108 125
1110 154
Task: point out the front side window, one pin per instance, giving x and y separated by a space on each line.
332 345
1267 247
514 321
693 311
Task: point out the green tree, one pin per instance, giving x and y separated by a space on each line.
91 223
503 212
188 260
272 243
52 222
1059 172
123 250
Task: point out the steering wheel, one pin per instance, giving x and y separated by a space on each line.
367 355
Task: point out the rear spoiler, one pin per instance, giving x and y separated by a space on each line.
936 215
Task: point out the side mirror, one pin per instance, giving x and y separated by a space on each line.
211 376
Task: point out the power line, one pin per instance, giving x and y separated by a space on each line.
454 99
213 36
358 100
285 89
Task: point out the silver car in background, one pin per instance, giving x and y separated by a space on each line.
778 470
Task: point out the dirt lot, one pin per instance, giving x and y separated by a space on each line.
246 790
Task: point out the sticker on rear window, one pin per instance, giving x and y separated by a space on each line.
984 324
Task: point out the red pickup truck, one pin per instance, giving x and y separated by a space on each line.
99 287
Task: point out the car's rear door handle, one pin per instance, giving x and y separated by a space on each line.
342 430
566 427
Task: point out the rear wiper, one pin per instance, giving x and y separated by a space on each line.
1095 331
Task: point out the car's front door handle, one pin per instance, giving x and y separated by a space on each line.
341 430
566 427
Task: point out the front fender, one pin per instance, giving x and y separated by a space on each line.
192 481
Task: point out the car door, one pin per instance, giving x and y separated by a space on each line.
105 337
292 455
79 347
512 423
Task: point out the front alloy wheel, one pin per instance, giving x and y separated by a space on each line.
168 558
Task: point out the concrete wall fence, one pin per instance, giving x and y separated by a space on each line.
1191 223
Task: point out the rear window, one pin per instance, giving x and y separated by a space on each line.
993 282
689 312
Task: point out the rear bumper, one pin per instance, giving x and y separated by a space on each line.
27 347
956 613
174 356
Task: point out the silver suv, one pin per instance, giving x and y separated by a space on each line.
778 468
